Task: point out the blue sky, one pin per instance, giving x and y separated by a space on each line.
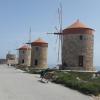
17 16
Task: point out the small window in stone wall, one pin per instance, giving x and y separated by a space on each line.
22 61
36 62
81 37
81 58
23 52
64 64
37 48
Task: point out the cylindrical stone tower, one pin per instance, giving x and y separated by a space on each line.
77 48
11 59
24 55
39 54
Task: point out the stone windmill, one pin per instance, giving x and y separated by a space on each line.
76 44
77 47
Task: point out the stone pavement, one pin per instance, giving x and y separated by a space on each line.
18 85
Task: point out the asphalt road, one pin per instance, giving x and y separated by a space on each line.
18 85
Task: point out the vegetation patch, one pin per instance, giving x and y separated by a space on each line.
83 82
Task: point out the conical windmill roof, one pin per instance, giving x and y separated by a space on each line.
39 40
78 24
24 47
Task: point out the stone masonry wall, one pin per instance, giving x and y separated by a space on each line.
40 55
26 55
73 47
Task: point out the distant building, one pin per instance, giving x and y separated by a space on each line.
77 47
11 59
97 74
24 55
39 54
3 61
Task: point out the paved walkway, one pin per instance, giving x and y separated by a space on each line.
18 85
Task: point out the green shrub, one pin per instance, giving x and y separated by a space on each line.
86 86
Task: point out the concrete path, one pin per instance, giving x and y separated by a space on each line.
18 85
